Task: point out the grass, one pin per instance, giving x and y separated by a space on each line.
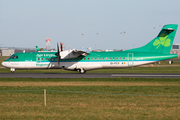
100 98
1 60
91 101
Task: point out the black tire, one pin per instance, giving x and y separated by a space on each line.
82 71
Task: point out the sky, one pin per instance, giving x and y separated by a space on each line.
27 23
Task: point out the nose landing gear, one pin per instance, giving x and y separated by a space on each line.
12 70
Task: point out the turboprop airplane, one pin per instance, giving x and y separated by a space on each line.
77 60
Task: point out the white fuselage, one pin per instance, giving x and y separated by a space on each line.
73 65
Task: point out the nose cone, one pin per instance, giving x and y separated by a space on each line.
3 64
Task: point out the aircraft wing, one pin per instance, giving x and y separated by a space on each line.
80 52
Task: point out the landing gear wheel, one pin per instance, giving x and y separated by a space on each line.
82 71
12 70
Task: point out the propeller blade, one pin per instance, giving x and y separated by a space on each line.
58 60
58 54
61 46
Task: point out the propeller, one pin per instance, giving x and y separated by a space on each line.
58 54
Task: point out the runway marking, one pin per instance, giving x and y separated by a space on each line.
127 75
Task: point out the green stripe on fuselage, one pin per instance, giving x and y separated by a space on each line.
92 57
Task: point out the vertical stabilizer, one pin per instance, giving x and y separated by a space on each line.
162 43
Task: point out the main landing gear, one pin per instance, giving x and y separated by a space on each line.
82 71
12 70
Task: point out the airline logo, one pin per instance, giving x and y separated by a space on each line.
162 40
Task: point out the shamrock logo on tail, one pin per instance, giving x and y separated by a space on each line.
162 41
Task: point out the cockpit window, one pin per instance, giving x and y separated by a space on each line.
14 57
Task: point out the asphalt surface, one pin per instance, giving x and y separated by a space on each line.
86 75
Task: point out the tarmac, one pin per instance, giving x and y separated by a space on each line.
86 75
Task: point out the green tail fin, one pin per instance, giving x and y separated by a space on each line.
37 48
162 43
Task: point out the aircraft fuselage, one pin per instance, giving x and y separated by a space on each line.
95 60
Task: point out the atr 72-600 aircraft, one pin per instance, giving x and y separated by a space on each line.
156 50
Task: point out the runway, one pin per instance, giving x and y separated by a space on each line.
87 75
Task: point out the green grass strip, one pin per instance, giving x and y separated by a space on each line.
121 79
113 93
91 93
20 90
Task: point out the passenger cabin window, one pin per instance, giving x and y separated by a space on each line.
103 58
120 58
48 59
123 58
109 58
84 58
92 58
38 59
113 58
116 58
99 58
106 58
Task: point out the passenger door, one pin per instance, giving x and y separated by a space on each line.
130 59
